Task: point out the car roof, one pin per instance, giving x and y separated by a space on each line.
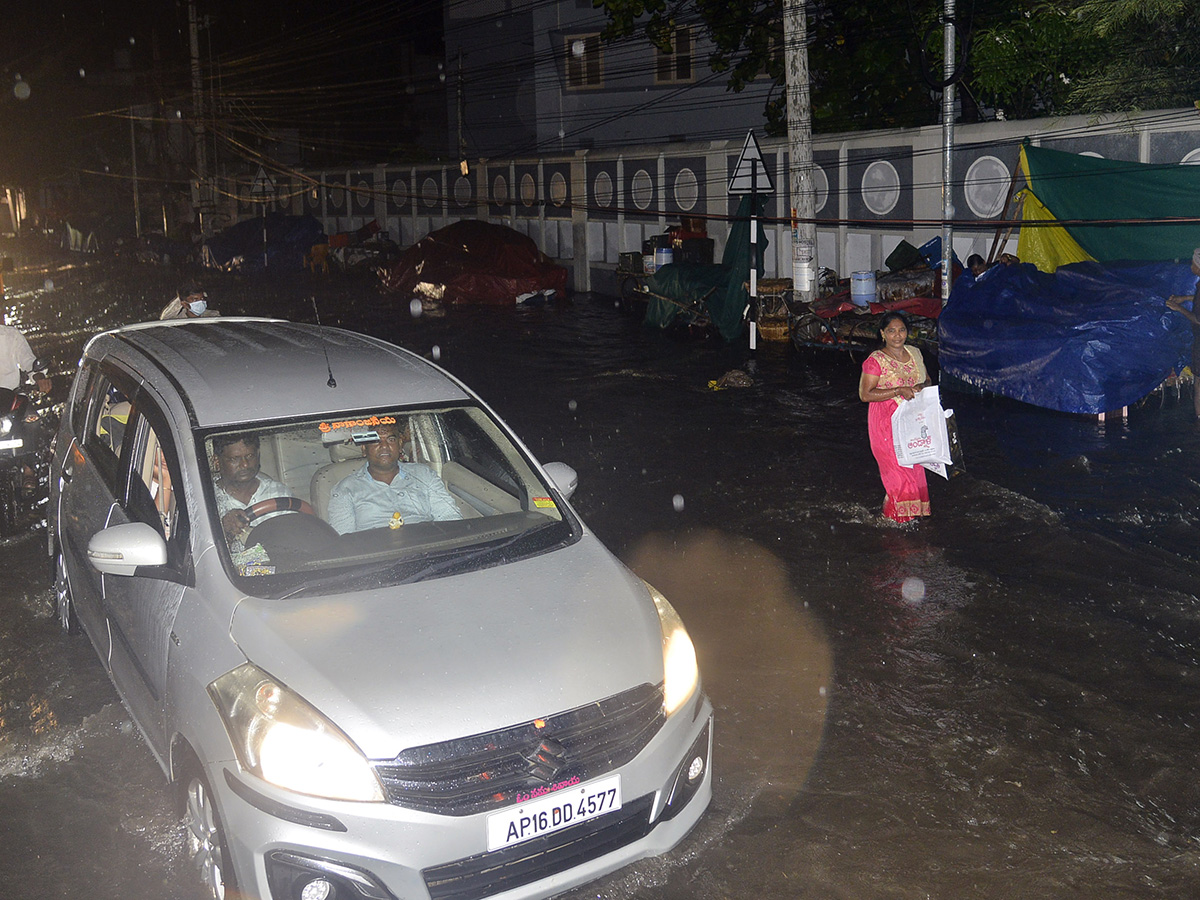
239 370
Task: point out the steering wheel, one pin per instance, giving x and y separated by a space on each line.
290 541
278 504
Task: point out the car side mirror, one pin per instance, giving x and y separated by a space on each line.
123 549
564 477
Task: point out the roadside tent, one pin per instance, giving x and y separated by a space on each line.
1081 324
1109 210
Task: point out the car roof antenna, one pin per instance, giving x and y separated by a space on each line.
332 382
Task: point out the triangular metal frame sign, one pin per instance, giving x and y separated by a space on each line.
744 180
263 185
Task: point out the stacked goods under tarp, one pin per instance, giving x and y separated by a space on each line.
276 241
1081 324
1089 338
474 262
718 290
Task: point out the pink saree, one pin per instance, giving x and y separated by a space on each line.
907 491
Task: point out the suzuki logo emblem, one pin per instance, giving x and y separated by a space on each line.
547 760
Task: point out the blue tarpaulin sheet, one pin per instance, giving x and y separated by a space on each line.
1089 338
282 240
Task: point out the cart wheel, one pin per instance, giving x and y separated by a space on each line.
630 293
808 328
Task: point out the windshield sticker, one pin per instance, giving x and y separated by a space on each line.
543 503
258 569
365 437
372 422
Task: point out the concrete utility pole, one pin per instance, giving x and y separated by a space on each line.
200 196
462 110
799 114
948 37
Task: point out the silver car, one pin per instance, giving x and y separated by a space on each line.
359 624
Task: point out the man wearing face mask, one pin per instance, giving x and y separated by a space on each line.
190 303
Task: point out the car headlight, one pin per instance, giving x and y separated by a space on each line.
283 740
680 672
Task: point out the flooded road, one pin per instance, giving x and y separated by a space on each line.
1000 702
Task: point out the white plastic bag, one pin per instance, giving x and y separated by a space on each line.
919 431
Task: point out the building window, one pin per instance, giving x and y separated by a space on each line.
585 64
676 66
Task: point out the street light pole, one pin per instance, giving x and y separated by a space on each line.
799 117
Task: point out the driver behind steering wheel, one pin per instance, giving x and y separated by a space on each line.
240 485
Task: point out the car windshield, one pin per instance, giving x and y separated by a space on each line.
374 497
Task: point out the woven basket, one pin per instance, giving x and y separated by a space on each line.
773 329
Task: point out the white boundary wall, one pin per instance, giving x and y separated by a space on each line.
874 188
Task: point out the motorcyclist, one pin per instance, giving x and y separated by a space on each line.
16 356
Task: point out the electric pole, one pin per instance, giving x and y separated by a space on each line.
948 36
200 194
462 110
799 116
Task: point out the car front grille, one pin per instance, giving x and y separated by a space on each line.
491 873
487 771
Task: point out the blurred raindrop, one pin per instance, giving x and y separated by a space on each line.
437 352
415 307
48 284
913 589
571 404
21 89
677 502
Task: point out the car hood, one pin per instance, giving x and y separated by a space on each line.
417 664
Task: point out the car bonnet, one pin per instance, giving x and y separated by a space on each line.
417 664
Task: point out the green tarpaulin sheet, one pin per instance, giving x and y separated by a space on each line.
721 287
1086 187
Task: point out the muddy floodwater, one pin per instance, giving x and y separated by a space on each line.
1000 702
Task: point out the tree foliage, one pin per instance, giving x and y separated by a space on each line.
1149 57
1025 61
879 64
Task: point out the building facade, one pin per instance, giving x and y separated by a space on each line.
525 78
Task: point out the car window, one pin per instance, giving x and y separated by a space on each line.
383 494
154 495
109 409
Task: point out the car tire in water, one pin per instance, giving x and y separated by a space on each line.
204 837
64 607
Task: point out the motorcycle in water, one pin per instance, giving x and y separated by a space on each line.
24 456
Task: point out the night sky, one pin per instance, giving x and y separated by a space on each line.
336 71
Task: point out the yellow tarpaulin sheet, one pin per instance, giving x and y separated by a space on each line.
1047 247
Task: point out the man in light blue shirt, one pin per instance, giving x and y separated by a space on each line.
386 492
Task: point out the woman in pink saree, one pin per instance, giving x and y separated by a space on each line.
892 373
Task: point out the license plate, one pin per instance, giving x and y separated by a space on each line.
11 444
553 812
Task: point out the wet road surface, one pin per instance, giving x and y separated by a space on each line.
999 702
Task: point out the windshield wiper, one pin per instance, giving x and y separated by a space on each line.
457 560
